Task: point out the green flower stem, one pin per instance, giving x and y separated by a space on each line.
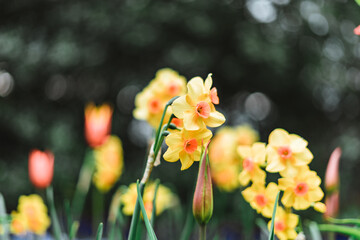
154 150
97 207
83 185
54 217
202 235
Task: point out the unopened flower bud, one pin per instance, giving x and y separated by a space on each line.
332 171
203 196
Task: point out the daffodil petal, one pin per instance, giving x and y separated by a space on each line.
195 87
298 144
208 82
180 106
172 155
191 121
303 158
215 119
279 137
185 160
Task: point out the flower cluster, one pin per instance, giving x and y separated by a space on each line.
150 103
288 155
30 217
197 111
165 199
226 163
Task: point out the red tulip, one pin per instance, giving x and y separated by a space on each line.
41 168
97 124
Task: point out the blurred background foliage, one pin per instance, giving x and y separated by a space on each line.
276 63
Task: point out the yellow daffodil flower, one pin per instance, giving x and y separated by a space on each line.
186 146
34 211
301 191
225 176
196 108
246 135
18 224
108 163
286 152
150 103
164 199
253 157
285 224
260 198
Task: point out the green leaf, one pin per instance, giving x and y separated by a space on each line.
153 213
99 232
314 231
149 228
345 221
5 235
358 2
73 230
53 214
350 231
189 226
272 232
135 217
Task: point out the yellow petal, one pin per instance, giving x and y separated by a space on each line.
303 158
179 106
174 140
185 160
195 88
191 122
301 203
292 220
316 194
172 155
208 82
279 137
274 164
215 119
248 194
259 152
244 151
272 190
244 178
288 199
298 144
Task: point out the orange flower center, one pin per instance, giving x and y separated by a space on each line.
248 164
213 96
285 152
279 226
173 89
301 189
178 122
260 200
190 145
154 106
203 109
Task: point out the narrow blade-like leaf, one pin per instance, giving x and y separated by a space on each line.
272 232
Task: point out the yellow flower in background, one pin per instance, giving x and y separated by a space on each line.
301 191
18 224
246 135
285 224
225 162
164 199
253 157
196 108
286 153
186 146
260 198
226 176
33 209
108 163
150 103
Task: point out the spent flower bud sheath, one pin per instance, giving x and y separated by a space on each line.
203 196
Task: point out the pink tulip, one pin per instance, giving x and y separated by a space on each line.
41 168
332 171
357 30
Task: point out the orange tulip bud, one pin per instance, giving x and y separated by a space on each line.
97 124
332 171
203 196
41 168
357 30
332 205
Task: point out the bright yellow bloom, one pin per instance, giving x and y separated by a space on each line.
150 103
196 108
186 146
18 224
225 176
285 224
260 198
246 135
34 211
286 153
301 191
253 157
164 199
108 163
